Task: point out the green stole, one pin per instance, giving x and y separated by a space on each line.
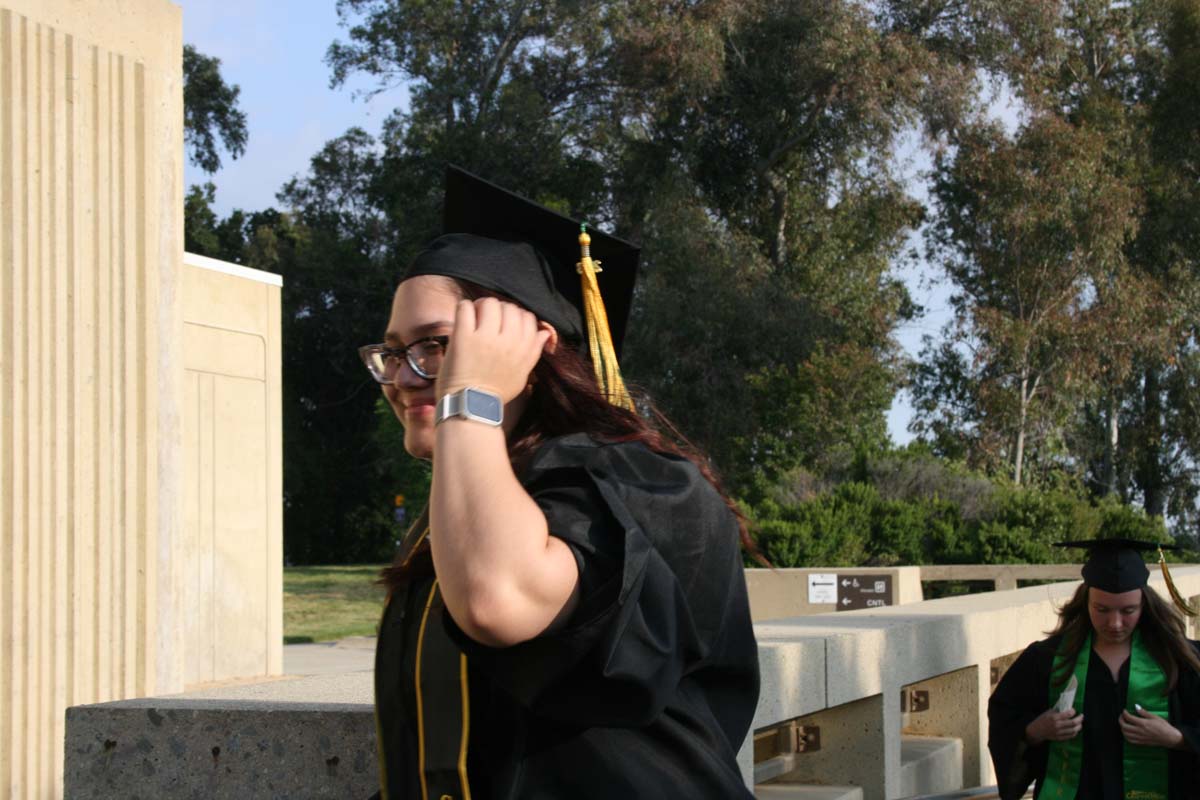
1144 768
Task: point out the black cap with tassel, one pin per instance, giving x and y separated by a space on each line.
542 259
1116 566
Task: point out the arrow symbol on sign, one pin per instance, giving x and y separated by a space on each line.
845 582
845 601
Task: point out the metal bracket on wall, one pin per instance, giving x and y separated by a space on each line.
807 738
914 701
776 749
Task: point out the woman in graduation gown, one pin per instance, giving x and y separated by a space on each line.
1127 682
569 619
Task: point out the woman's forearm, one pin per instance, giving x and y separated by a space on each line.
503 577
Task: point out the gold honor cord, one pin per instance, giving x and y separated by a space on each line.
600 345
438 775
420 708
466 726
1184 606
380 753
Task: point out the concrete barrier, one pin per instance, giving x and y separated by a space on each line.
310 737
847 674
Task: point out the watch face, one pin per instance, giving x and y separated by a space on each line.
482 404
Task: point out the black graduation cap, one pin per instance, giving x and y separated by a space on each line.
511 245
1116 565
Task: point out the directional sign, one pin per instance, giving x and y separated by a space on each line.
822 587
863 591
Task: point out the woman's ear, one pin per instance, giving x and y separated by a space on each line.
551 345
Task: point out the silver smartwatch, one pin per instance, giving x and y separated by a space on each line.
470 403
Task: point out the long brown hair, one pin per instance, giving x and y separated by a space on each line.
566 399
1161 626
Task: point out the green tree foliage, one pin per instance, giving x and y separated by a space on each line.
1032 232
341 476
210 111
773 221
1071 244
207 235
1162 419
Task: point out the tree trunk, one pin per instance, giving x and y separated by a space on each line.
779 217
1019 459
1110 449
1151 480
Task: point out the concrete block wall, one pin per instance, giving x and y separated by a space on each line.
91 208
231 557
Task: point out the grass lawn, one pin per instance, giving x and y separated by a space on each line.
325 603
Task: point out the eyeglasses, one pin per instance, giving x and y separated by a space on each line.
424 356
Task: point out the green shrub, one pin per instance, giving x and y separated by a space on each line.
909 508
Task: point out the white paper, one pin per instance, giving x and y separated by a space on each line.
1066 700
822 587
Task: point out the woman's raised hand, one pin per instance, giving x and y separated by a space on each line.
494 346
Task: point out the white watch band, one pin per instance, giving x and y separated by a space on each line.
470 403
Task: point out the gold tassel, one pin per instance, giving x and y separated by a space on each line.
604 356
1175 595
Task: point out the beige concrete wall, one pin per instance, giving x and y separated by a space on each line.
90 241
232 555
783 593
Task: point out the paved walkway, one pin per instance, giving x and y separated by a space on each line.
353 654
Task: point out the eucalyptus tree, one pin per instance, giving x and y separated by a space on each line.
1074 283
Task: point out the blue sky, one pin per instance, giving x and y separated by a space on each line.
274 50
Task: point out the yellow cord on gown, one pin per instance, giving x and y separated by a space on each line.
600 345
1181 603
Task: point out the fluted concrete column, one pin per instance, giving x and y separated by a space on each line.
90 385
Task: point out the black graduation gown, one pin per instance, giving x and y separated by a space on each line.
649 689
1024 693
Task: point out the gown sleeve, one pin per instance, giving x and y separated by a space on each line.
1188 719
1020 697
662 588
1185 715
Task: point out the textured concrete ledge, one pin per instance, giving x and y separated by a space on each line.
301 738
